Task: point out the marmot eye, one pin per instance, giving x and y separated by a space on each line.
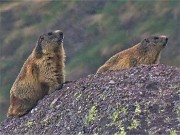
156 38
61 35
50 33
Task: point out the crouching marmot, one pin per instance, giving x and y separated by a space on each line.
146 52
41 74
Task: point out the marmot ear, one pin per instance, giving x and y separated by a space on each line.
144 46
38 50
145 41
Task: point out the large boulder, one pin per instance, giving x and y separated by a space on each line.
141 100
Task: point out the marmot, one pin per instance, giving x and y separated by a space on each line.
41 74
146 52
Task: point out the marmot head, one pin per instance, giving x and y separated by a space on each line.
154 42
49 42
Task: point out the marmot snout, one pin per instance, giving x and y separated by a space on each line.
156 42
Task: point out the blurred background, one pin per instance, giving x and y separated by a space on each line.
94 30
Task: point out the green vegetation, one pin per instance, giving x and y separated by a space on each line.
134 124
172 132
91 115
122 132
77 96
98 29
115 116
138 109
29 124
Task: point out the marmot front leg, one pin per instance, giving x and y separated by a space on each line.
56 83
54 88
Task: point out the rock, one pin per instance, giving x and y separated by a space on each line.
141 100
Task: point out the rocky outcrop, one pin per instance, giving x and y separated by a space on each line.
141 100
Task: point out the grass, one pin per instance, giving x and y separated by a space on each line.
88 54
111 7
91 116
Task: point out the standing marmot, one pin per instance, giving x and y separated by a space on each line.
146 52
41 74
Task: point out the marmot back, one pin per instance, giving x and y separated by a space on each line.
146 52
41 74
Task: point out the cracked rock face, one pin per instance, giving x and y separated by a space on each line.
141 100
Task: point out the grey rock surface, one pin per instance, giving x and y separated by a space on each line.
141 100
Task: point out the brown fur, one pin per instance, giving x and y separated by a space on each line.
41 74
146 52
